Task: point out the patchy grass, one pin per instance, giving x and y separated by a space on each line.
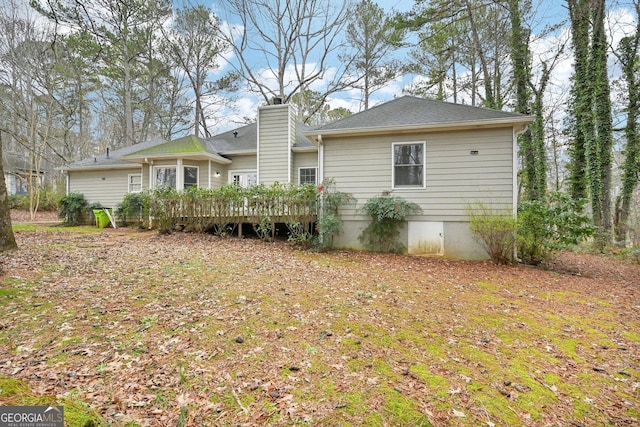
76 412
132 328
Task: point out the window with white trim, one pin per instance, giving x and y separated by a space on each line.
190 176
245 179
165 176
409 164
135 183
307 176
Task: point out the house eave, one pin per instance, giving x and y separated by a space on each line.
312 149
96 167
239 152
517 122
172 156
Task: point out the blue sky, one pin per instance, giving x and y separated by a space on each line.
546 12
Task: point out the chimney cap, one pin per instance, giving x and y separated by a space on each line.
277 100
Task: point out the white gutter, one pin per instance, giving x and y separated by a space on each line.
424 127
95 168
239 152
313 149
289 142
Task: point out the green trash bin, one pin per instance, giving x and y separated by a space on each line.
102 220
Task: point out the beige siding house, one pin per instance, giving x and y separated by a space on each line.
273 149
439 155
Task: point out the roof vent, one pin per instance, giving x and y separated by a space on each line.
235 133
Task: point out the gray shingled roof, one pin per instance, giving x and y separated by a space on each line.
247 137
224 143
413 111
114 158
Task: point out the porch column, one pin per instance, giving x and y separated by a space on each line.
179 175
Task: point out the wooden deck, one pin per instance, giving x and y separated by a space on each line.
222 215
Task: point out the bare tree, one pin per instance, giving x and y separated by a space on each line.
195 46
285 47
30 114
123 29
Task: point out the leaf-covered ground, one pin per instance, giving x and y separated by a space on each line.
190 329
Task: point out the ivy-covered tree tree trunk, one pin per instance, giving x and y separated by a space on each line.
628 55
521 76
599 151
540 167
591 150
7 239
581 106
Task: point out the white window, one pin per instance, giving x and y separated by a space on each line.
307 176
165 176
135 183
190 176
409 165
243 179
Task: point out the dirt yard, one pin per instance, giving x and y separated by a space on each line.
189 329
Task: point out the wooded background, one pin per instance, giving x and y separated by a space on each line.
78 76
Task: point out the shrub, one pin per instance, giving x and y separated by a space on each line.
163 208
71 208
134 207
225 204
264 202
329 223
49 199
18 202
545 227
302 204
388 214
495 230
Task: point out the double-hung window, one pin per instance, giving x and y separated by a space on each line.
307 176
409 160
135 183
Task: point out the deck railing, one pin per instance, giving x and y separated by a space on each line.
222 209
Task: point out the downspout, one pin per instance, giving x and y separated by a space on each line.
258 148
320 160
209 176
152 181
320 174
290 124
